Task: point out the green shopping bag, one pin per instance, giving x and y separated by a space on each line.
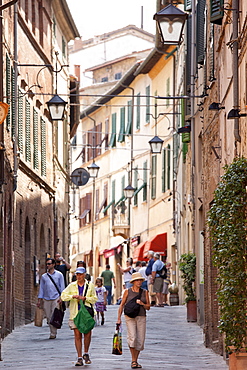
83 320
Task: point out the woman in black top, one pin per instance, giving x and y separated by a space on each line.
136 327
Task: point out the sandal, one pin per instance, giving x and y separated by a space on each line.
135 365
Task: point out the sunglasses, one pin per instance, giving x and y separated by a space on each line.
48 263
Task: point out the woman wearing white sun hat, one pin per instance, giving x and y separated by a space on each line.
136 326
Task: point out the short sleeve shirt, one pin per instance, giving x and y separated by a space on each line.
108 276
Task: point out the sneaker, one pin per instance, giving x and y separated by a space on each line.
52 336
86 359
79 362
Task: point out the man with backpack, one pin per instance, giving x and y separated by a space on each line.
159 273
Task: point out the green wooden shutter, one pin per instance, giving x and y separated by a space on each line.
20 122
154 170
112 142
187 5
123 184
121 136
128 130
168 91
185 135
188 63
148 104
216 11
43 146
28 132
200 31
8 90
13 103
35 140
145 178
164 170
113 190
138 111
168 166
136 186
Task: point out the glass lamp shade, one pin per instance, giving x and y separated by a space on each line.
56 107
93 170
171 22
156 144
129 191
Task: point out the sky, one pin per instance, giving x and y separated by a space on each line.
95 17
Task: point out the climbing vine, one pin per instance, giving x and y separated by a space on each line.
228 230
187 265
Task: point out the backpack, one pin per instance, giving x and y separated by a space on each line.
163 272
132 308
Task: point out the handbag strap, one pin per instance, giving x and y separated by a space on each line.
85 293
54 283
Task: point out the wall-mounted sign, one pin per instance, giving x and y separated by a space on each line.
4 108
80 176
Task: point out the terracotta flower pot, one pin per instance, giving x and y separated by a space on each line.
238 361
191 311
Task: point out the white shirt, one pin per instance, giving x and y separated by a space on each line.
100 293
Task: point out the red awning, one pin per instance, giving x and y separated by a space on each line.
138 253
157 243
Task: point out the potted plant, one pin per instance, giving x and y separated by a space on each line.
187 265
227 227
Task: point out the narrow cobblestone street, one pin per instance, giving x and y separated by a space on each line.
171 343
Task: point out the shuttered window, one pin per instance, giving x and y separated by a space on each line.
35 140
13 104
136 186
20 122
129 118
168 91
164 170
185 135
138 111
187 5
145 179
211 53
153 176
43 146
121 136
200 31
28 132
113 190
113 130
8 90
123 184
148 104
216 11
188 63
168 166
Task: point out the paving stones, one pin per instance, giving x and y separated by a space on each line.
171 344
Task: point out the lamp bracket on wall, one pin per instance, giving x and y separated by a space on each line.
217 155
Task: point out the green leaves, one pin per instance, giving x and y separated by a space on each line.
187 265
227 226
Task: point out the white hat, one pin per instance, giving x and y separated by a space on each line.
80 270
136 276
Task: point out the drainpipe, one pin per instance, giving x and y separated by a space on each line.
235 13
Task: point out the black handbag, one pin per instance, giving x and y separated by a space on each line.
57 318
132 308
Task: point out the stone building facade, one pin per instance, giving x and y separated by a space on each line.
34 181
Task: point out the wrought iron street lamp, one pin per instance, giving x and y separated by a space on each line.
56 106
129 191
170 21
93 170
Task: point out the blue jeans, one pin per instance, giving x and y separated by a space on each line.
109 293
145 285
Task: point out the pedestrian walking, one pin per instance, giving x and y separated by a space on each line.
166 283
127 272
143 273
136 326
100 305
76 291
157 281
62 266
149 276
108 277
51 286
